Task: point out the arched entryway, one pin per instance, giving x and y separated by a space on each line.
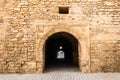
61 49
83 48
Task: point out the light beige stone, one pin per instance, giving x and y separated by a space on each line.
26 25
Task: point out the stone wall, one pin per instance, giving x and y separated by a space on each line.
23 23
105 37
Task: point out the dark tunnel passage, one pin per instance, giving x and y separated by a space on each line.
61 49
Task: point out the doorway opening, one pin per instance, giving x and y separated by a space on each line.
61 50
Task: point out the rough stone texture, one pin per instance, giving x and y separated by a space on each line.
26 24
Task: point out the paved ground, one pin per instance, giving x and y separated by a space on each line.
66 73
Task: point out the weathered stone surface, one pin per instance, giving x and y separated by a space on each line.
25 25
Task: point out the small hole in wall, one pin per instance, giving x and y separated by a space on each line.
63 10
89 28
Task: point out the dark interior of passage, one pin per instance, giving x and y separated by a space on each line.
61 49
